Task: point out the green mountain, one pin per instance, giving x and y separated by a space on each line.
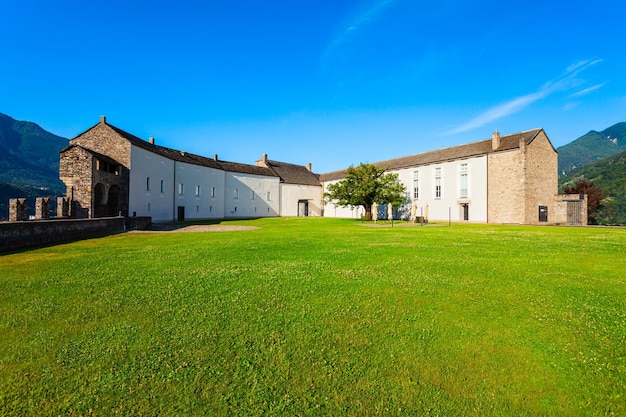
591 147
29 162
608 174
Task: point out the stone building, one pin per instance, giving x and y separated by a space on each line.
505 179
109 172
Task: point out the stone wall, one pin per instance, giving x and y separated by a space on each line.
541 179
29 234
75 170
506 185
42 208
570 209
17 210
97 184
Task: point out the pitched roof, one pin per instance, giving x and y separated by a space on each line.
482 147
103 158
293 174
181 156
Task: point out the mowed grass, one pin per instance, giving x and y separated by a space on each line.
318 317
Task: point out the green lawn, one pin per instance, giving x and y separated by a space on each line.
318 317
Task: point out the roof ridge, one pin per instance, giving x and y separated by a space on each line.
479 147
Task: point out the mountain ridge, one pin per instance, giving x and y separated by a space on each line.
592 146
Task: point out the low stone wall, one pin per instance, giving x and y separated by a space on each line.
29 234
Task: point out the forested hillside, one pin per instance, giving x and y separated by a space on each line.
609 175
29 162
591 147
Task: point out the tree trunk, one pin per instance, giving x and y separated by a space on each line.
368 212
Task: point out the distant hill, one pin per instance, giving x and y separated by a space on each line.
591 147
29 161
608 174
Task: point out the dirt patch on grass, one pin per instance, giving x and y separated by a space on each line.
197 228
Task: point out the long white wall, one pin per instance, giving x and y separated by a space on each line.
247 195
447 205
291 194
200 190
147 200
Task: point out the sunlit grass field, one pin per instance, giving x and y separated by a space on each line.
318 317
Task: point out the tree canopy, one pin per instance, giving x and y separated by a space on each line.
365 185
594 197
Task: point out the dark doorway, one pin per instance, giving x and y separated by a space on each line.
303 208
99 201
543 213
465 211
114 201
181 213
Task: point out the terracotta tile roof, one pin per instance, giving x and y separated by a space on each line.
293 174
482 147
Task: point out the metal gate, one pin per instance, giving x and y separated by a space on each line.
575 213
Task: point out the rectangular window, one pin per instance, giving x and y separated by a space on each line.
463 181
197 190
148 184
269 196
181 188
251 195
235 193
212 191
162 186
416 185
437 182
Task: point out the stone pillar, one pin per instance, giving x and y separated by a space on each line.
17 210
63 207
42 208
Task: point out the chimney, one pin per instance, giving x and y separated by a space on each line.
309 167
495 140
103 120
151 140
262 162
215 157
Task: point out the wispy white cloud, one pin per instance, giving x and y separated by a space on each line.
498 112
367 15
588 90
566 81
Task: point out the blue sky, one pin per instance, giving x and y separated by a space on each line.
334 83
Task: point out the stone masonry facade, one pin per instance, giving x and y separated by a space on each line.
96 169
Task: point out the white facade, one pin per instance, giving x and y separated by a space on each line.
169 190
451 190
248 195
300 200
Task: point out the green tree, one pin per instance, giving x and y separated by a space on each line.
594 197
365 185
608 211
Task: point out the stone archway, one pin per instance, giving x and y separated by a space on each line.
113 202
99 200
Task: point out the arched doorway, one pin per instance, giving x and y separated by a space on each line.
99 200
113 202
